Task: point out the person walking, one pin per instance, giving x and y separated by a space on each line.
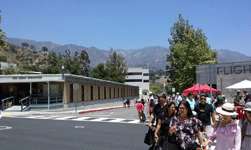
157 110
151 105
205 112
178 98
190 100
143 101
140 108
163 126
128 102
185 128
245 125
227 132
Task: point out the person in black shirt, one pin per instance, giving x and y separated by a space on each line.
204 111
163 125
142 101
157 109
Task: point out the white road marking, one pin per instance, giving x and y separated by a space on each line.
5 127
79 127
99 119
63 118
117 120
80 118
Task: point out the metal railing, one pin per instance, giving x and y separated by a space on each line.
37 99
25 102
7 102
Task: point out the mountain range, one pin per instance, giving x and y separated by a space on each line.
152 57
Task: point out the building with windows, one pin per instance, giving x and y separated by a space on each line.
138 77
223 75
49 90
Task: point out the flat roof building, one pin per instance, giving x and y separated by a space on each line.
223 75
138 77
49 89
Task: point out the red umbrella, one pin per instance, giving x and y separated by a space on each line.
206 88
194 89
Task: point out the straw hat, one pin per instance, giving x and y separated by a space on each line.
226 109
247 107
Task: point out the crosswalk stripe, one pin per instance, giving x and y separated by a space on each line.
80 118
134 121
99 119
63 118
117 120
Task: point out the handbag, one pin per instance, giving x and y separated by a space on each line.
143 117
149 137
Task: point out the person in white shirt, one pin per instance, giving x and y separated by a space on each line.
178 98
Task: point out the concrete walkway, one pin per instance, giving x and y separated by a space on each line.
72 110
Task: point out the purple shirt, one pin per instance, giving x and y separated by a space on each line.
228 138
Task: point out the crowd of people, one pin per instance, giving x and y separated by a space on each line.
189 123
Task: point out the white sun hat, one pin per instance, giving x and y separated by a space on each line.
227 109
247 107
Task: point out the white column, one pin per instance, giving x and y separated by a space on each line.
30 87
48 95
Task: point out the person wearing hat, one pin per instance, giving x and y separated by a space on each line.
238 96
178 98
227 132
245 125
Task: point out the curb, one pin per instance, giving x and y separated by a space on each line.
96 110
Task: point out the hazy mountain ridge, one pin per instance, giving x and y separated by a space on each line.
152 57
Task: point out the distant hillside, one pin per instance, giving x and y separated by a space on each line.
231 56
153 57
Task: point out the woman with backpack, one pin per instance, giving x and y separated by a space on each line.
227 132
245 125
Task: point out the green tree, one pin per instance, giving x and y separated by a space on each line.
45 49
118 61
155 88
85 61
3 59
24 44
52 59
111 74
188 48
2 42
32 47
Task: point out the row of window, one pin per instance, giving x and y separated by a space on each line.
123 92
137 73
136 80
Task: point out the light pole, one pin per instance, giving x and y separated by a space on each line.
62 71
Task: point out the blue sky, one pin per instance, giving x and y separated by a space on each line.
127 24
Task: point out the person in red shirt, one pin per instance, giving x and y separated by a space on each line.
140 108
236 103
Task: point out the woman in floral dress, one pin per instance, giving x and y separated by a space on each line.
186 128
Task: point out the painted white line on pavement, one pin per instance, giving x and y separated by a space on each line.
5 127
63 118
80 119
134 121
79 127
99 119
116 120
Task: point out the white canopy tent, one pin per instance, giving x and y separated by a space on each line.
245 84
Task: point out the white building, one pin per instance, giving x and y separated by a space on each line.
5 65
138 77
